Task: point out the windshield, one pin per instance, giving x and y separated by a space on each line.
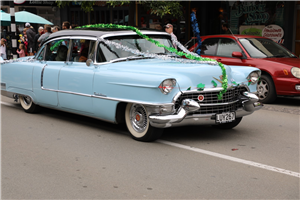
264 48
109 53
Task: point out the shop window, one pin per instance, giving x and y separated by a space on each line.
226 47
209 46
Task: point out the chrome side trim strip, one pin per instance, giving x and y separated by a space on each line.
101 96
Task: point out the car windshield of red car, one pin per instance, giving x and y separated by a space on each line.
264 48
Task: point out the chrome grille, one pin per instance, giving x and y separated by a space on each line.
210 97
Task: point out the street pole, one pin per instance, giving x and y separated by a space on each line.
13 29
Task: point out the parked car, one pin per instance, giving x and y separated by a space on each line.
78 72
280 68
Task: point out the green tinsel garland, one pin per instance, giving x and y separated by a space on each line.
170 49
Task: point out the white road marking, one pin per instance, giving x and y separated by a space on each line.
8 104
238 160
218 155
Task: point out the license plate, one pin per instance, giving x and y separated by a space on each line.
225 117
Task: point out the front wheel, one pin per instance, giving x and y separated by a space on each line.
229 125
137 122
28 105
266 89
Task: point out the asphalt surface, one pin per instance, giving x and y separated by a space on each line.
58 155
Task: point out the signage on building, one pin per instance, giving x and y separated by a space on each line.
254 12
252 30
273 32
19 1
31 3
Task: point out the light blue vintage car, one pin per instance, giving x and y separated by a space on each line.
101 73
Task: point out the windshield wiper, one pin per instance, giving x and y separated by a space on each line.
277 56
137 57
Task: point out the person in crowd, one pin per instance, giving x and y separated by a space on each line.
23 40
21 50
3 49
225 28
47 32
30 39
169 29
66 25
83 55
158 27
36 37
55 29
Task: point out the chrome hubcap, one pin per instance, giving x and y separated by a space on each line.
27 100
263 89
138 118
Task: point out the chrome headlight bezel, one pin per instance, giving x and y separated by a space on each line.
254 76
167 85
296 72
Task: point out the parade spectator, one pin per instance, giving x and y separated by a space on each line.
55 29
23 40
21 52
169 29
66 25
225 28
3 49
30 39
47 32
36 37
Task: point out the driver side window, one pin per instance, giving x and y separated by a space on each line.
57 50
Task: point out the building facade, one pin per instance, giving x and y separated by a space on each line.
279 20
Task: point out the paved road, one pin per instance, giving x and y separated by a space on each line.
57 155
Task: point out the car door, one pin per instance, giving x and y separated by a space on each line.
224 52
49 67
76 78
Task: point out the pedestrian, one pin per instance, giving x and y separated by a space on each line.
3 49
225 28
47 32
21 52
66 25
23 40
55 29
36 37
169 29
30 39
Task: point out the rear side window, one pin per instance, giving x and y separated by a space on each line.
209 46
226 47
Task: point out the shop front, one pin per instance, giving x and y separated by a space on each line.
273 19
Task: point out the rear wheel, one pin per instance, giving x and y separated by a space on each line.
229 125
137 122
266 89
28 105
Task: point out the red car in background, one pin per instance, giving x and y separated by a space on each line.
280 68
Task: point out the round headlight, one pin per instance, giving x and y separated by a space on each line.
253 77
167 86
296 72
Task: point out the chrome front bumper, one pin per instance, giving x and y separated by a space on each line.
181 118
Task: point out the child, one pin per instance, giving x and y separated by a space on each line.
22 50
3 49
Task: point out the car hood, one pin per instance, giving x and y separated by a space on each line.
153 71
294 62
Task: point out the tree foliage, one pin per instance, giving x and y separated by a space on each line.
159 8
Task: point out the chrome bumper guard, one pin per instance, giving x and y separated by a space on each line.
181 118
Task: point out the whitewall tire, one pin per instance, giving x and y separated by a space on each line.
28 105
137 122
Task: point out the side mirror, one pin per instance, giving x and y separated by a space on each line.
89 62
237 54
